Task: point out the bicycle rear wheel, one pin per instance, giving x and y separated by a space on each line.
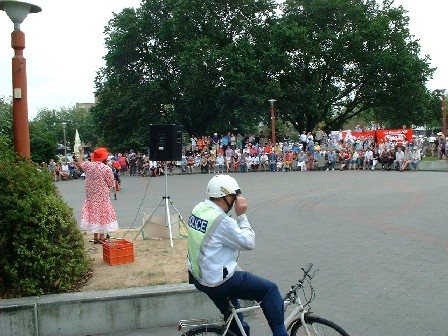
317 326
207 330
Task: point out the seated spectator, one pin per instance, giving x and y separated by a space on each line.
280 162
211 163
153 168
145 168
243 163
204 164
65 173
235 162
76 172
415 159
287 161
197 160
301 161
399 158
376 158
264 161
344 158
255 163
368 159
220 164
353 160
190 164
406 158
272 162
319 160
309 160
57 172
229 158
331 160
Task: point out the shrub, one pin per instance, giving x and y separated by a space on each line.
42 247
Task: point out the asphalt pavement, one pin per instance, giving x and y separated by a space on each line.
378 238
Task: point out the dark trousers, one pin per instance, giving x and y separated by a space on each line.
247 286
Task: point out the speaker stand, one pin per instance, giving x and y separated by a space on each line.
165 201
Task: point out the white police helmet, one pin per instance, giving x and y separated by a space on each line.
222 185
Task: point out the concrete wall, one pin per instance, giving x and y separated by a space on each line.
98 312
439 165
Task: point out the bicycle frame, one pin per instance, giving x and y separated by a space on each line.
292 297
299 309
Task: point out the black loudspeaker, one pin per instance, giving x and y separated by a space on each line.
165 142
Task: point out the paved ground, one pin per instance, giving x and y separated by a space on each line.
379 239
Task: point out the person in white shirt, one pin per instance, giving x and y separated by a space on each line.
215 241
65 172
220 163
399 156
264 161
368 159
255 163
415 159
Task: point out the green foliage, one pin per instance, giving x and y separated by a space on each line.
46 131
42 247
215 64
340 58
5 118
200 59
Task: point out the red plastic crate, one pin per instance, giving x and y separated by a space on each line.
118 252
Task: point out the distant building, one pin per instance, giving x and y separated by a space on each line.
86 106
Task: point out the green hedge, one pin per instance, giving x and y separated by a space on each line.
41 246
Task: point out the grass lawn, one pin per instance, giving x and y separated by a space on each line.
430 158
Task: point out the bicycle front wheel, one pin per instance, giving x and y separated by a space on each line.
207 330
317 326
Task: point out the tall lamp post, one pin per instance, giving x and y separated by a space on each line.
65 141
272 121
17 12
444 116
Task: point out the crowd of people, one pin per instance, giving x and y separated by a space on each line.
240 153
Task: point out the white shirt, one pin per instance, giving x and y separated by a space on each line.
399 155
368 155
220 160
223 248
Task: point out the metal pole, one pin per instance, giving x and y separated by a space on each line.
444 115
20 101
272 122
167 206
65 141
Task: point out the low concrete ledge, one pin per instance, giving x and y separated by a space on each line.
90 313
439 165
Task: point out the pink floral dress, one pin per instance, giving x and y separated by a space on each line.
98 215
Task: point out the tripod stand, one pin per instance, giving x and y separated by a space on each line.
167 202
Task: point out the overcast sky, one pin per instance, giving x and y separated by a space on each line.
65 46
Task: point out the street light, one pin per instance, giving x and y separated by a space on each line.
272 121
65 141
17 12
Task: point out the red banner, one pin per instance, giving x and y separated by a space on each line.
397 135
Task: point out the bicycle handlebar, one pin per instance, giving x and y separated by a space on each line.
307 269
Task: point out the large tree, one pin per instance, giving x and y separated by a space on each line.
189 62
339 58
211 66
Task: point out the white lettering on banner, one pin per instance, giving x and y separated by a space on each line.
197 223
395 137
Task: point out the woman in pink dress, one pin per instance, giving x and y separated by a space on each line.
98 215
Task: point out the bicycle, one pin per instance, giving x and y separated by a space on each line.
300 321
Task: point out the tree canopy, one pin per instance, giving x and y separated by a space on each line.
340 58
212 66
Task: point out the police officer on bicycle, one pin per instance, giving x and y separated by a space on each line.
214 243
